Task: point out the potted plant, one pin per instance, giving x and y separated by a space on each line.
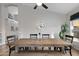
64 30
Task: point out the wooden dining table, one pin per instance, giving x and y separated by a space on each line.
28 42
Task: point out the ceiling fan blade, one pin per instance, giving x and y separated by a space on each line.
44 6
35 7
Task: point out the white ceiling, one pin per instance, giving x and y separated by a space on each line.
62 8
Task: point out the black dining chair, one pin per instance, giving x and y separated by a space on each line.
11 43
69 40
32 36
46 36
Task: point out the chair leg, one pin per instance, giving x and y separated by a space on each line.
42 48
65 49
26 48
9 52
35 48
29 48
21 48
60 49
70 51
54 48
49 48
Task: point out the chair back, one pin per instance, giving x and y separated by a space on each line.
69 38
11 39
45 35
33 36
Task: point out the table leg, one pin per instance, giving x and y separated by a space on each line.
63 50
16 49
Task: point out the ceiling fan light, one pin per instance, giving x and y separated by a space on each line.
39 3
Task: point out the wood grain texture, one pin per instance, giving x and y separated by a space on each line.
41 42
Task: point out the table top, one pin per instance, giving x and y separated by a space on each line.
40 42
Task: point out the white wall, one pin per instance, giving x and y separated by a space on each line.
29 19
0 26
0 18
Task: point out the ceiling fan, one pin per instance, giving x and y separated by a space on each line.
43 5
